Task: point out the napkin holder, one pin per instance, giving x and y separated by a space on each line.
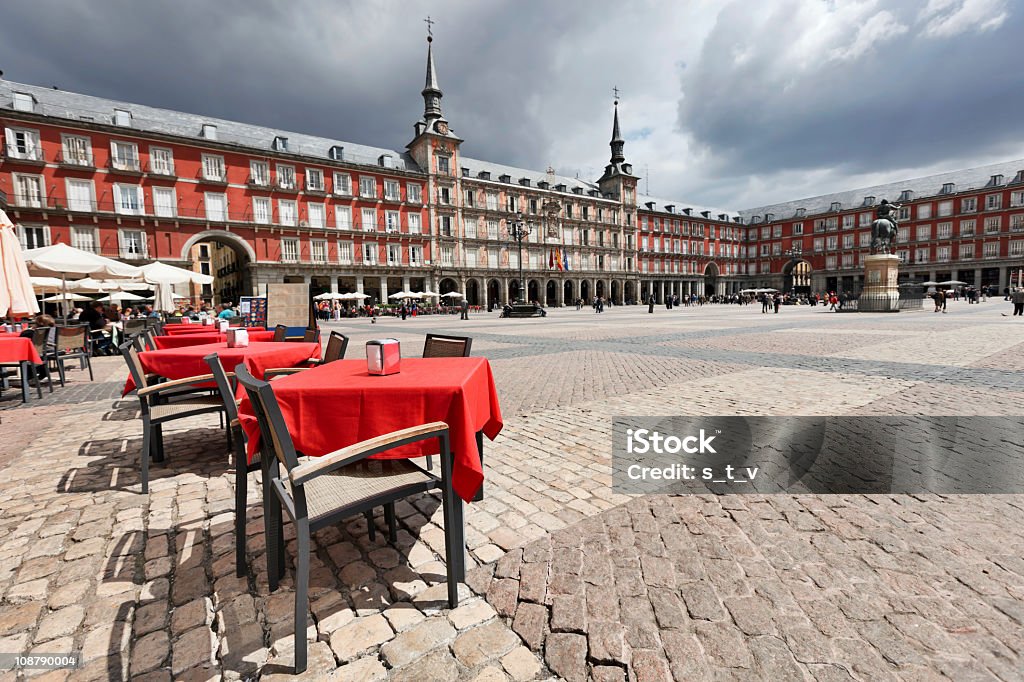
383 356
222 325
186 319
238 338
209 321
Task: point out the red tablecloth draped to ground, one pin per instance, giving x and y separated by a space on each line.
18 349
183 340
181 363
196 328
340 403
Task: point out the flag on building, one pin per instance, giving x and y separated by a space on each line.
551 259
565 259
558 259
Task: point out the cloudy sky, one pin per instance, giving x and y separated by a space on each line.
725 103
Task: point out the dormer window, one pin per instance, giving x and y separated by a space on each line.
869 201
24 102
649 205
280 144
208 132
836 206
336 153
505 178
484 175
948 188
995 180
543 184
577 190
560 187
801 212
386 161
907 195
123 117
687 211
671 208
706 214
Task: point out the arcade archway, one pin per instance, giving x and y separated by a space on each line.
533 291
473 292
585 291
225 256
567 294
796 276
711 279
493 293
551 293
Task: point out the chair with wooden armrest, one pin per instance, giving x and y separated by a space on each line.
443 346
322 491
280 333
164 402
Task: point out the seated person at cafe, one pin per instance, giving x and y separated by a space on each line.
94 317
226 313
42 320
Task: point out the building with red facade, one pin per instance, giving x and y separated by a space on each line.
140 183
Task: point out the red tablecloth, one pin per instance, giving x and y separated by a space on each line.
340 403
197 328
181 363
18 349
183 340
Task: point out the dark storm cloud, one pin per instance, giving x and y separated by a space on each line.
762 100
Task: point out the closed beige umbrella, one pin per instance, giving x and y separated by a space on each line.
16 294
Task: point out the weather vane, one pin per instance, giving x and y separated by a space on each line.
615 89
430 26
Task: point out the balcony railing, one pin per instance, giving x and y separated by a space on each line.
34 156
75 159
124 165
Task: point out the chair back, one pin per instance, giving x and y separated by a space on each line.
40 339
72 339
227 391
131 356
134 326
442 346
280 332
337 344
172 320
273 431
148 339
236 321
311 336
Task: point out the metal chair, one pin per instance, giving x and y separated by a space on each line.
443 346
337 344
236 321
135 326
41 340
165 402
310 336
322 491
170 319
280 333
73 343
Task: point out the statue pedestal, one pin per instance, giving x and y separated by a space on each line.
881 289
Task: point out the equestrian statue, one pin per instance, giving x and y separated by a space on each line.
885 228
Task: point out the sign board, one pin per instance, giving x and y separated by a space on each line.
253 310
288 304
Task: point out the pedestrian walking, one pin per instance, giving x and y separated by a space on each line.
764 303
465 310
650 304
1017 298
777 302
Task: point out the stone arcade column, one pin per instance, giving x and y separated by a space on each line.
383 290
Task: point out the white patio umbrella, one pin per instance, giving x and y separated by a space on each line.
122 296
329 296
427 293
59 298
104 286
17 296
952 283
929 283
405 294
355 296
162 273
452 294
67 262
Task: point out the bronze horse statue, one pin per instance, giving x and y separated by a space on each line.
884 229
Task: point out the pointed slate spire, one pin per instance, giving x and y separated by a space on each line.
617 144
431 91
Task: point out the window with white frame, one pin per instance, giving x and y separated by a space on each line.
287 212
132 243
285 176
314 180
318 250
80 194
847 241
122 117
259 173
1016 199
415 224
832 243
847 260
1017 248
392 221
444 224
924 232
84 238
392 191
33 236
161 161
924 211
798 228
343 217
832 223
165 204
414 193
492 230
394 254
848 221
992 224
345 253
945 208
367 187
128 199
124 155
1017 223
921 255
370 253
993 202
966 251
76 150
342 184
415 255
969 204
903 255
262 214
317 214
819 244
443 165
444 195
830 262
944 230
213 168
23 143
903 234
369 219
290 250
865 219
991 250
865 239
447 255
216 206
23 101
492 201
942 254
967 228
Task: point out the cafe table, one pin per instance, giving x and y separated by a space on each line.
19 350
182 363
182 340
198 328
340 403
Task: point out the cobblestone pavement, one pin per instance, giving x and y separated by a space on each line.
567 579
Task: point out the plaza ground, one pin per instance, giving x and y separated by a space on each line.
567 579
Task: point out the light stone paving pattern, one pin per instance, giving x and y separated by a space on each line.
566 578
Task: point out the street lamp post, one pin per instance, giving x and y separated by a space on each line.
519 231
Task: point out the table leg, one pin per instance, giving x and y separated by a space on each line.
459 528
24 380
480 448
